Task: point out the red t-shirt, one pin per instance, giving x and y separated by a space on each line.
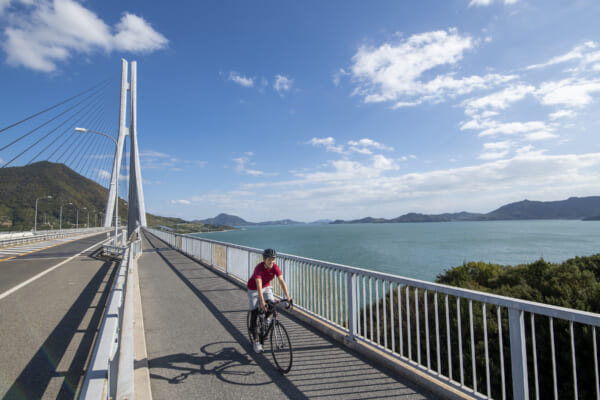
265 274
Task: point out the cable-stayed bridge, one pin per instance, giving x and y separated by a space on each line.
123 311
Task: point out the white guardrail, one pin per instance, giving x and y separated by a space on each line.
18 238
486 345
110 372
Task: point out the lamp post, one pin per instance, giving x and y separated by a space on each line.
84 130
61 206
88 211
35 221
77 220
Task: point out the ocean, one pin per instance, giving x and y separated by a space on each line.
424 250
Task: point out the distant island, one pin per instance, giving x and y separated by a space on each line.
233 220
582 208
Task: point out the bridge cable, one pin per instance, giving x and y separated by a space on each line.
44 124
54 106
93 140
48 134
73 134
79 143
57 138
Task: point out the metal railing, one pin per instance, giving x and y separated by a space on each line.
110 374
15 239
486 345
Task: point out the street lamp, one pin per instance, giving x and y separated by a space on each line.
88 211
61 206
35 221
116 183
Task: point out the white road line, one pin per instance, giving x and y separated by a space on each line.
30 248
28 281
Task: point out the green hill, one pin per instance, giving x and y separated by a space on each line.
21 186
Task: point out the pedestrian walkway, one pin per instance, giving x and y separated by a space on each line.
196 335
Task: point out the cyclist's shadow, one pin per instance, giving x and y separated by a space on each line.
221 359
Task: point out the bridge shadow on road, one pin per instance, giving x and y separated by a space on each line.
34 379
322 368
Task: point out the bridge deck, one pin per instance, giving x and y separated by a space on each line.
195 325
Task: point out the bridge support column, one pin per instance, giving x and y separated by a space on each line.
113 191
137 209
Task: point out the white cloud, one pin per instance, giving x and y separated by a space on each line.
362 146
338 75
135 35
350 188
47 33
493 155
563 114
499 100
283 83
495 150
102 174
382 163
396 72
584 53
540 135
513 128
181 202
3 5
364 143
241 80
328 143
243 162
483 3
153 153
568 92
152 159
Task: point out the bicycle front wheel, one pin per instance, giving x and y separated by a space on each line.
281 347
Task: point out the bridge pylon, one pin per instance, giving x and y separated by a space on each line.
136 206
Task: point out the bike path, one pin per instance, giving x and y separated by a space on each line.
196 336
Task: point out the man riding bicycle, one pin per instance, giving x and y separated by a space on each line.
260 290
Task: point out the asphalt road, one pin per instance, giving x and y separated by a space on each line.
48 326
196 335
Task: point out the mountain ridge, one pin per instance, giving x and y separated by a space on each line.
73 197
234 220
583 208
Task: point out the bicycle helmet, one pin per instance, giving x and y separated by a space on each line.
269 253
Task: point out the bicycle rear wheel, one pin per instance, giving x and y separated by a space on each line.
281 347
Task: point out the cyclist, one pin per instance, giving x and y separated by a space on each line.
260 291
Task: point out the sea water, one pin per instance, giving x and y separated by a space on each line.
424 250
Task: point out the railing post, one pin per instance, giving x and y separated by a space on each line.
227 260
518 354
250 270
287 277
351 306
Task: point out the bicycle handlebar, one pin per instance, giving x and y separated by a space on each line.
289 303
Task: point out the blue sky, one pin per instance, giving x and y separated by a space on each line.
330 109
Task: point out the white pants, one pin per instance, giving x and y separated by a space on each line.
253 297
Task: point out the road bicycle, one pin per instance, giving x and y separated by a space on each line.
271 327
